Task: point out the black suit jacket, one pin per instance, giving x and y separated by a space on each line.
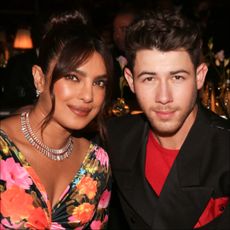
201 171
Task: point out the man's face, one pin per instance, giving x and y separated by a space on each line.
120 24
165 84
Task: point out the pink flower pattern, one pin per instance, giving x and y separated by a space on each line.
13 173
17 173
96 224
5 224
105 198
102 157
56 226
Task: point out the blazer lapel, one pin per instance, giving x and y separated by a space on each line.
132 182
183 199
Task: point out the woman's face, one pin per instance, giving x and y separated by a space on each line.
80 94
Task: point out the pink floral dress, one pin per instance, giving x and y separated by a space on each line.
24 203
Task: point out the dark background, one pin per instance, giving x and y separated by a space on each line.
33 13
214 16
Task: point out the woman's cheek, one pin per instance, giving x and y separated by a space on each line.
62 90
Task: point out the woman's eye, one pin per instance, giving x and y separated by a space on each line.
72 77
100 83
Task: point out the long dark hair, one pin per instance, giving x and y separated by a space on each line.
68 42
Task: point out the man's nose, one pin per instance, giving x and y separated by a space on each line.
163 94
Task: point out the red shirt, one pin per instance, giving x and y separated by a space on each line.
158 163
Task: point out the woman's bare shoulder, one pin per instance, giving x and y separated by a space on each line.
11 125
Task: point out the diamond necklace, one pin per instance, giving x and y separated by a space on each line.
53 154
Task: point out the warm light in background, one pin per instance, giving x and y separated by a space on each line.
23 39
4 52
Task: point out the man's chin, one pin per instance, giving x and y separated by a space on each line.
164 131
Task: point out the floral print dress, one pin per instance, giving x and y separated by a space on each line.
24 203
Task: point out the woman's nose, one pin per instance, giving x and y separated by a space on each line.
86 93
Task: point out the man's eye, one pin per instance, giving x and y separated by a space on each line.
148 79
72 77
178 77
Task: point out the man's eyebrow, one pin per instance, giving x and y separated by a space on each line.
179 71
146 73
154 73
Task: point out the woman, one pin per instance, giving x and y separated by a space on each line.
51 176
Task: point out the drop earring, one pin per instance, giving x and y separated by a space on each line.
37 93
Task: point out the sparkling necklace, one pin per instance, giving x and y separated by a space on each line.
53 154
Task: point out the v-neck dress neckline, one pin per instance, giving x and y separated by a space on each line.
83 191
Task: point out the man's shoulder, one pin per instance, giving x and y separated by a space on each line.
130 127
217 121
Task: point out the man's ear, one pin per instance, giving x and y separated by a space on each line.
129 77
201 72
39 80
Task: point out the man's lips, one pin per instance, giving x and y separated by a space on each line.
164 113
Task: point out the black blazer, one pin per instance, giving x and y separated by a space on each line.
201 171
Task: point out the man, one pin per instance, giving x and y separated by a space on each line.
122 19
171 164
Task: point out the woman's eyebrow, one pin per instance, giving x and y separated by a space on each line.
84 74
